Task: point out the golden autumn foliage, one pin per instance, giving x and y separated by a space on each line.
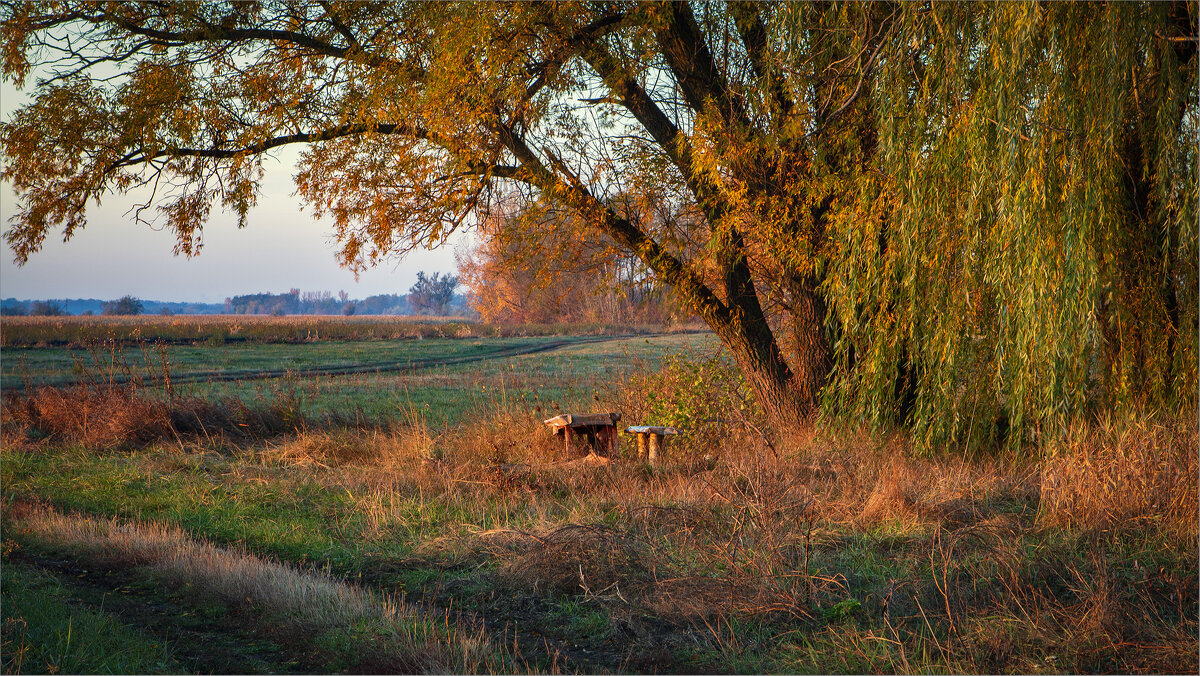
537 265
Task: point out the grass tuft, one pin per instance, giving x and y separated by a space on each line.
1142 472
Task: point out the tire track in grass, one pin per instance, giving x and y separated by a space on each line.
392 366
337 623
196 641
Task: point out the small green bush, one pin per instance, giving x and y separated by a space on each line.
706 398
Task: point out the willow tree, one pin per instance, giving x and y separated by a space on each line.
1027 252
932 214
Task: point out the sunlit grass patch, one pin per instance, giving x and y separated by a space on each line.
45 632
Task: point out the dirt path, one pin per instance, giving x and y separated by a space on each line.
347 369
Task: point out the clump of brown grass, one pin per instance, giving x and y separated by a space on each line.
894 496
1142 471
331 448
107 415
626 573
582 559
99 416
501 434
864 479
306 601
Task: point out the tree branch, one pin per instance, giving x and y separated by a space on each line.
664 132
274 142
210 32
695 70
748 17
669 268
341 27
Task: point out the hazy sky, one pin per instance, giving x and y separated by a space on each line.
280 248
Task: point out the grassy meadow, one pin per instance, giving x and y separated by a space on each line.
349 495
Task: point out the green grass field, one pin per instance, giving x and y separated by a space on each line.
419 518
441 379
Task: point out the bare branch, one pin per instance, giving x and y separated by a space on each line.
275 142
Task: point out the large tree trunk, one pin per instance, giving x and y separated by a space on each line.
812 358
757 355
786 391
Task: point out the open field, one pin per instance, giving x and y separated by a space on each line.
421 519
441 379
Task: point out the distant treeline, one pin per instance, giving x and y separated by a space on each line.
96 306
316 303
294 302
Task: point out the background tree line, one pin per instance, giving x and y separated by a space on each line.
37 308
418 301
430 295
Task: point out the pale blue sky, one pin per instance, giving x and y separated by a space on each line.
282 247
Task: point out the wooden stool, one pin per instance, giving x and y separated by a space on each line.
656 438
600 430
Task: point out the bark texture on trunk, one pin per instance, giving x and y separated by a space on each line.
812 359
773 381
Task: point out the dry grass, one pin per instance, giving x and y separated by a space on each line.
94 416
706 543
581 559
81 330
305 601
1136 473
500 434
338 447
105 416
915 492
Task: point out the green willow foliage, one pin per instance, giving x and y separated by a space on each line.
1026 252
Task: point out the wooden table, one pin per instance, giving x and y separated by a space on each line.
657 438
598 429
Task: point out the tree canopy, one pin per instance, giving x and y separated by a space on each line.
975 219
532 263
125 305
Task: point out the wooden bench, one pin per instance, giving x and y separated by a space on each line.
657 438
598 429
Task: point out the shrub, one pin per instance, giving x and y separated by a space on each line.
706 398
